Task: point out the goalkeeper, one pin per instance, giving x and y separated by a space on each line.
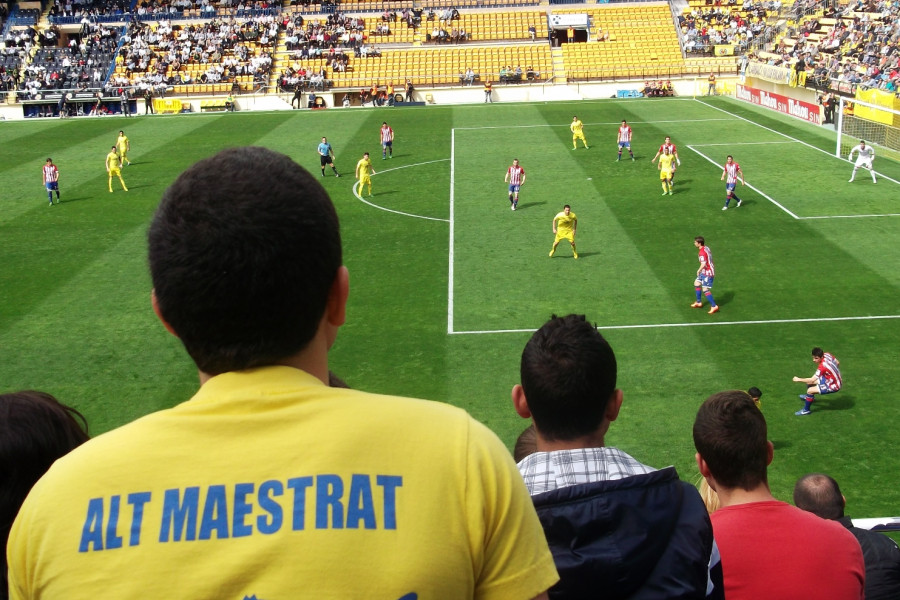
864 157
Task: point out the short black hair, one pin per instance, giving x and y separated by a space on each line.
568 374
243 251
818 352
755 393
819 494
731 436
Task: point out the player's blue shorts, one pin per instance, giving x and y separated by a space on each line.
514 189
729 187
705 281
825 388
625 145
52 186
387 144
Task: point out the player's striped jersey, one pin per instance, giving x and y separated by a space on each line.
731 172
516 175
625 133
868 152
706 261
387 134
829 371
51 173
671 148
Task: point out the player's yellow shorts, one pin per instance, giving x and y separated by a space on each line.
365 180
565 235
578 136
664 174
116 172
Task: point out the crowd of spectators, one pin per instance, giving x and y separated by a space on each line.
726 24
857 48
158 56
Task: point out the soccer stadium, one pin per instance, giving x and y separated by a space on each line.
488 105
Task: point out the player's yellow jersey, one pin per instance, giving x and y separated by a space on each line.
665 162
363 167
565 223
112 161
577 127
122 143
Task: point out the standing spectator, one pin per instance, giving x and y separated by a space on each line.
488 91
51 180
761 539
125 100
617 528
570 34
246 265
409 90
821 495
711 85
148 101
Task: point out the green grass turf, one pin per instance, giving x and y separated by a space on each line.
75 317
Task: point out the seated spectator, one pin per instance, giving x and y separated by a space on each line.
821 495
760 538
36 429
613 524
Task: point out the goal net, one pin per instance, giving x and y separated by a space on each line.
863 119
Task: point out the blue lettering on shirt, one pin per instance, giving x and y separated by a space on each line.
225 511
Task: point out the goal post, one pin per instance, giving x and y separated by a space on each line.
878 125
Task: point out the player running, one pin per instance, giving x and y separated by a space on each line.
624 140
577 128
564 225
826 379
515 176
387 141
123 146
672 150
666 171
51 180
705 275
733 172
114 168
326 157
362 173
864 157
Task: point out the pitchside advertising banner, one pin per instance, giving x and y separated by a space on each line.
788 106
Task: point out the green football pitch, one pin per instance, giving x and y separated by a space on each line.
447 283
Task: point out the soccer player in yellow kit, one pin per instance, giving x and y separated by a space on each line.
123 146
362 173
577 128
114 168
665 171
564 225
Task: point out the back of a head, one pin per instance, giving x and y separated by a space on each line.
819 494
243 250
730 435
35 430
568 374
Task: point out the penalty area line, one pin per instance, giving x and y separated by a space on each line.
711 324
357 192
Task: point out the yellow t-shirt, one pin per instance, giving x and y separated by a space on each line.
565 224
269 484
577 127
665 164
363 168
112 161
122 143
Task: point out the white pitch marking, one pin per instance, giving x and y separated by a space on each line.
390 210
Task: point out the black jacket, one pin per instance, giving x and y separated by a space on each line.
646 536
882 559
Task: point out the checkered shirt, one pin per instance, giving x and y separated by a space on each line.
547 471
